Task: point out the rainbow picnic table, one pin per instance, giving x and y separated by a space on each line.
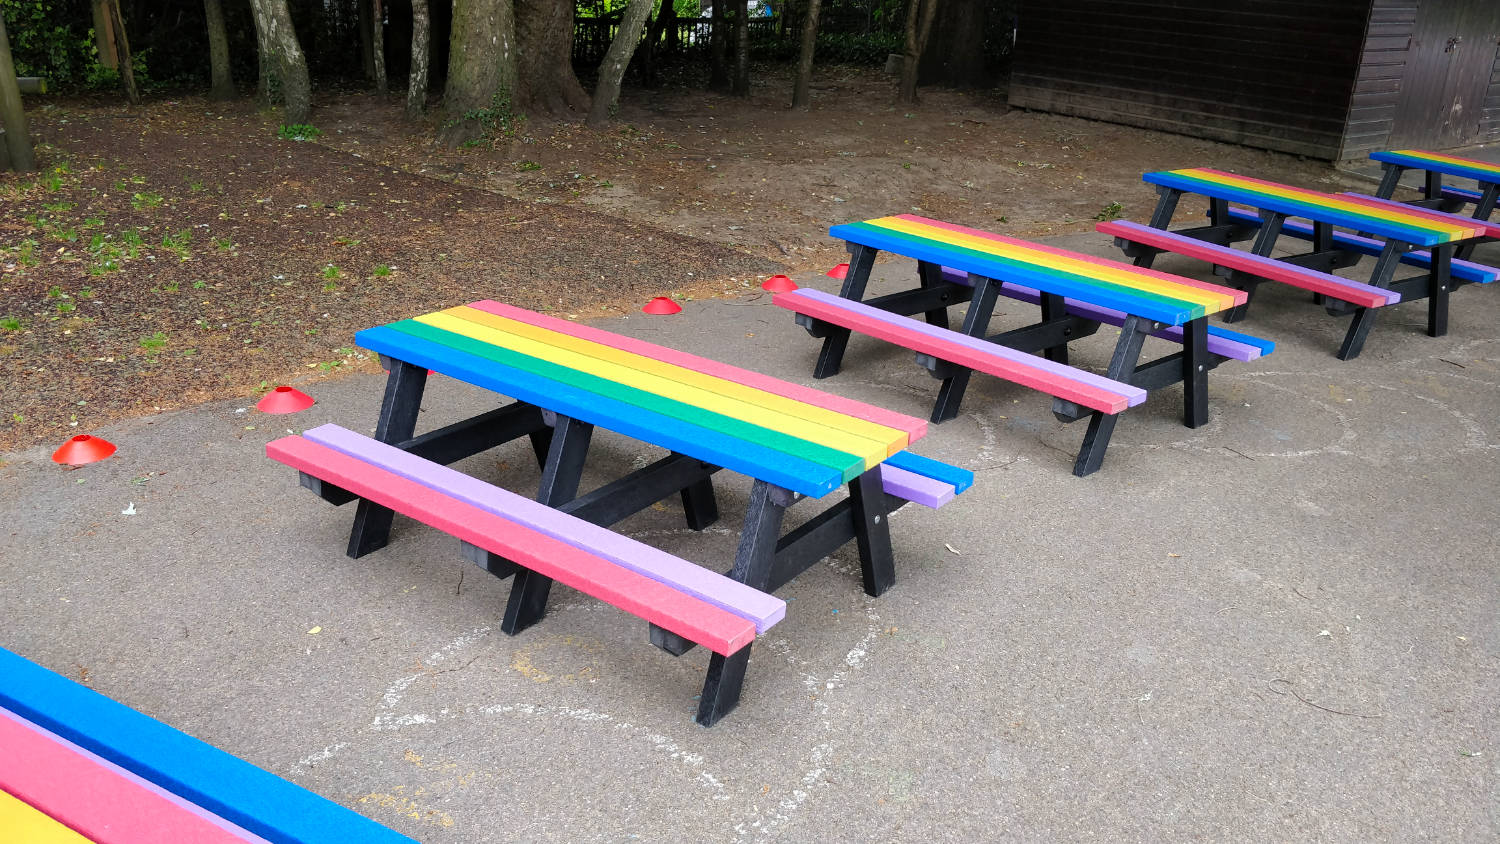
1076 294
77 767
565 379
1262 212
1439 194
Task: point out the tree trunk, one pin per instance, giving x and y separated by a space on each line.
916 42
741 49
421 49
612 69
104 35
366 43
218 51
718 49
546 83
377 46
481 69
265 62
651 48
284 58
801 88
122 53
12 115
955 54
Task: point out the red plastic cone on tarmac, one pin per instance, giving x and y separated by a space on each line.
839 271
284 399
661 305
83 449
778 284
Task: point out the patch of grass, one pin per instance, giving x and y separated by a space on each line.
346 241
330 271
223 243
56 292
65 308
330 286
195 186
146 200
10 323
199 284
381 270
59 207
86 293
154 342
525 166
298 132
1110 211
178 242
170 287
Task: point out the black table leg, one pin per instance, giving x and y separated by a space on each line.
1195 366
931 275
752 566
1389 179
560 477
1437 297
1102 425
1364 318
398 421
872 533
831 356
1489 193
1054 307
981 308
1161 218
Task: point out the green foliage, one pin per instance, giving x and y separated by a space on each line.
381 270
524 166
155 341
299 132
857 48
1110 211
499 116
10 323
145 200
44 42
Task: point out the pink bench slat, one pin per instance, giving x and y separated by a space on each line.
1354 292
714 628
706 585
91 799
1085 388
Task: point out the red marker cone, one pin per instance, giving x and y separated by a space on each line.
778 284
661 305
284 400
838 272
83 449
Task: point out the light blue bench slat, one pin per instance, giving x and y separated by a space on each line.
1221 341
228 786
682 575
793 473
1466 270
959 478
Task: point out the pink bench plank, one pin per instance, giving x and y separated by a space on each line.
1085 388
915 428
920 489
1354 292
92 799
714 628
710 586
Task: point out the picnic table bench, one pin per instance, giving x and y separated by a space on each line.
566 379
1438 194
1403 234
1076 293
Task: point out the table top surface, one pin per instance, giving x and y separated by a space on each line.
796 437
1147 293
1393 223
1441 162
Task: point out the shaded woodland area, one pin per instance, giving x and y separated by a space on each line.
484 63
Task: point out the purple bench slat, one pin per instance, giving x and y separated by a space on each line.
706 585
919 489
1223 346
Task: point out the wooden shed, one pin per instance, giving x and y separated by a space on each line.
1334 80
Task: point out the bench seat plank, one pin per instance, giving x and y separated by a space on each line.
1457 267
1149 306
1221 341
1354 292
1093 391
847 463
36 766
915 428
612 365
929 492
709 586
958 478
693 619
785 470
233 789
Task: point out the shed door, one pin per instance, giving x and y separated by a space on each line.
1453 49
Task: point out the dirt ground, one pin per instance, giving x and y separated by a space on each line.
182 251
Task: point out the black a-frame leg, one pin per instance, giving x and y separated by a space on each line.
398 421
560 477
831 356
1102 425
956 379
752 567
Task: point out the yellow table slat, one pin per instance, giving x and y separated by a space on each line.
1393 215
25 824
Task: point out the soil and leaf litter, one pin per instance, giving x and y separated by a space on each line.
184 251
